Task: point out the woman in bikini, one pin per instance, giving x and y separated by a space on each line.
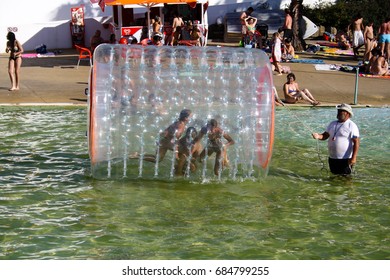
15 50
292 93
250 23
369 41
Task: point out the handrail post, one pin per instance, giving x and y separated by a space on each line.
356 86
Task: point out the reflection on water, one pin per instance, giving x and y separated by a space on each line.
52 209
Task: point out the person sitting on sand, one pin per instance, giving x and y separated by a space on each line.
96 40
380 66
278 101
343 42
292 93
375 53
288 51
215 145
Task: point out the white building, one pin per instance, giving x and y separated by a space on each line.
48 21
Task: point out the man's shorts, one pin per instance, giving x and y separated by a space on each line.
358 38
288 34
340 166
384 38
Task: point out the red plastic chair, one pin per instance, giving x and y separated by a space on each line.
84 53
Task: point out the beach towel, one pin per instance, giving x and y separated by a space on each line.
29 55
327 67
327 53
308 60
328 44
48 54
35 55
345 52
373 76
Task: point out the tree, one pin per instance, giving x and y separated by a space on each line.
340 14
296 10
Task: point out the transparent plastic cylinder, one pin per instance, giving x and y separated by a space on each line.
136 92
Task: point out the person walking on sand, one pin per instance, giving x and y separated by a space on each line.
384 38
292 93
177 21
15 50
369 40
287 26
358 37
277 53
344 141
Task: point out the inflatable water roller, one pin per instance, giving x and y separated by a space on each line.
136 92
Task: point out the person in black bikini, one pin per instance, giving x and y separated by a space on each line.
15 50
292 93
369 41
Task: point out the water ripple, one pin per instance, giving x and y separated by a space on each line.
52 209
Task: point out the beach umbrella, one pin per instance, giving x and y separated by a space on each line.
145 3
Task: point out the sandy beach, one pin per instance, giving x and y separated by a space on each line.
56 81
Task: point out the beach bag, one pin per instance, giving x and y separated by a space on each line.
41 49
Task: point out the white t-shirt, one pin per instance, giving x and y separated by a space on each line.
340 145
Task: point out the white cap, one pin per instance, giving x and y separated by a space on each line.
345 107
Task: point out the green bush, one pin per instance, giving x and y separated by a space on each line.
341 13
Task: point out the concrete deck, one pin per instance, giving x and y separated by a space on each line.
56 81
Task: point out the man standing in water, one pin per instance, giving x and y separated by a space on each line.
344 141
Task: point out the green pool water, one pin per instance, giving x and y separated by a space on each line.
51 208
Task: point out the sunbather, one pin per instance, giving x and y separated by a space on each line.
293 94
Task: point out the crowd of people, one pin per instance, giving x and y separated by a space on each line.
186 144
376 47
375 58
179 33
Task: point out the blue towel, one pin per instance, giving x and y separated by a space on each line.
312 61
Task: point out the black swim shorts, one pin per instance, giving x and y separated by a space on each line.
340 166
288 34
